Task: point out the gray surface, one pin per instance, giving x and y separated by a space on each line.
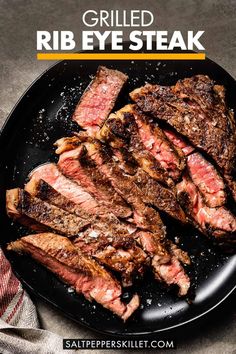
19 21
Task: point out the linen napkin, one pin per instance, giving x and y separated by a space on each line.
19 326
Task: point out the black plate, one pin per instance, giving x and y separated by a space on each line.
42 116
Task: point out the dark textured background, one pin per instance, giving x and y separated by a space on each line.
19 21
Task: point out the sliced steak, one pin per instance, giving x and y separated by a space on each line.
71 190
105 222
42 190
119 253
218 222
99 99
196 108
121 129
61 257
160 197
166 261
76 165
144 216
21 205
207 179
171 158
146 189
202 172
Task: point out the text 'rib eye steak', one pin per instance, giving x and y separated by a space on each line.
69 189
60 256
196 108
166 261
76 165
218 222
203 173
120 254
99 99
21 206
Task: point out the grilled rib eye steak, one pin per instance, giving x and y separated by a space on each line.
99 99
196 108
113 176
60 256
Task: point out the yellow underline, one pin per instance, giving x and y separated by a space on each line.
121 56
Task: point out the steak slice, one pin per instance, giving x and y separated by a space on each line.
76 165
119 253
202 173
218 222
207 179
61 257
42 190
166 261
160 197
21 205
121 129
99 99
196 108
69 189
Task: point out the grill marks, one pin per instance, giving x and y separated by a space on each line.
120 254
99 99
121 129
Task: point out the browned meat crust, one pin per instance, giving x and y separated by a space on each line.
196 108
21 206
